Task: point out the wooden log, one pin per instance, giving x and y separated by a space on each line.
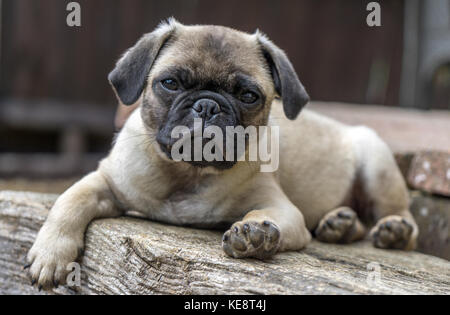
135 256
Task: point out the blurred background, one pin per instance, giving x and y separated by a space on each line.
57 108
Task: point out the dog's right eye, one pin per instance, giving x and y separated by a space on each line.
249 97
170 84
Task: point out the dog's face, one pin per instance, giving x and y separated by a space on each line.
222 76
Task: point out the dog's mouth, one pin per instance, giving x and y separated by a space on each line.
200 152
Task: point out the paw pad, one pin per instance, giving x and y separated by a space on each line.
336 226
251 239
393 232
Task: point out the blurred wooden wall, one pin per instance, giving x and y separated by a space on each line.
336 55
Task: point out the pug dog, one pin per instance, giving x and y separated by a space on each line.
333 181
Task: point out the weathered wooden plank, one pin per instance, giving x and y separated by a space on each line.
135 256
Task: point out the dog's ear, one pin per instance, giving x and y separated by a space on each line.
286 82
129 77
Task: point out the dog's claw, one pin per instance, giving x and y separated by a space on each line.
225 237
26 267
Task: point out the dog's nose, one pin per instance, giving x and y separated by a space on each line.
206 108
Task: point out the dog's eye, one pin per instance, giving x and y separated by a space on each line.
249 97
170 84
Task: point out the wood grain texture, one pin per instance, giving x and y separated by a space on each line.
135 256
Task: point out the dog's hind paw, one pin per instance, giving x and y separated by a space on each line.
339 226
392 232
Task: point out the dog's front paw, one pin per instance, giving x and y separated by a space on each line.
392 232
49 257
251 239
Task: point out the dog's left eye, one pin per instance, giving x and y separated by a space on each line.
170 84
249 97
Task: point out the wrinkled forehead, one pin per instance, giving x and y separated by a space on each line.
214 53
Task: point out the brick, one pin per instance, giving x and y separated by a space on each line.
432 214
430 172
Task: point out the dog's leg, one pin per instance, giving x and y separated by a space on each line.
395 227
340 226
386 193
60 240
279 226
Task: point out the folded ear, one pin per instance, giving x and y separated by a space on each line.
129 77
286 82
